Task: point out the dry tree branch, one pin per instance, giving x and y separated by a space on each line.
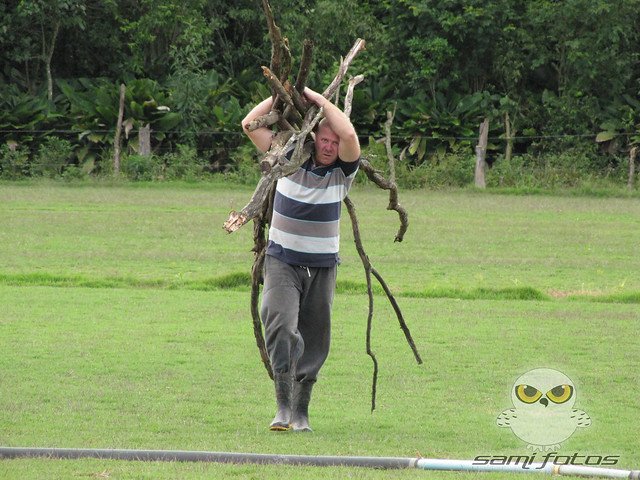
280 53
349 96
305 65
257 279
385 184
283 168
368 268
344 66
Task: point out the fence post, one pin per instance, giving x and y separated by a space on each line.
145 140
116 141
481 153
632 166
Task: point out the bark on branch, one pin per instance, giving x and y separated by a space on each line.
377 178
280 53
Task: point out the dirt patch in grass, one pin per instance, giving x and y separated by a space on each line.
569 293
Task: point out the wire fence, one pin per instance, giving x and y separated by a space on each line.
361 135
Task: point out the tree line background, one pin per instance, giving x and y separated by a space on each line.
559 81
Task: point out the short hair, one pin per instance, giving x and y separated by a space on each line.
324 123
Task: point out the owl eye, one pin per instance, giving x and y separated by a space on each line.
560 394
527 393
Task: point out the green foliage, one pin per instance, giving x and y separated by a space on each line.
453 170
52 158
443 125
332 27
48 18
94 108
408 175
244 169
141 168
210 112
564 72
13 161
184 165
622 129
25 118
51 12
575 168
21 111
166 37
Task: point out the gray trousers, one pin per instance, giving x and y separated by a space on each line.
296 312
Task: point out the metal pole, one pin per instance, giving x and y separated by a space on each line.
548 468
220 457
313 460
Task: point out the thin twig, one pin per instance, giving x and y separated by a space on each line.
367 270
387 144
396 308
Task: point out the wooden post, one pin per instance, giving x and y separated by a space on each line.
144 139
510 130
481 153
116 141
632 166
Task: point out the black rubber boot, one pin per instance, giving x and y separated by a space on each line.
283 383
301 399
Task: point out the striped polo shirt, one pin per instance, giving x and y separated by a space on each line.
305 226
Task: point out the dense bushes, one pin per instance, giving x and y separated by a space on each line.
560 79
526 172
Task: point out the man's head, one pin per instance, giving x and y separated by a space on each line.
327 143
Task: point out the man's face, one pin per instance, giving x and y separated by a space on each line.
326 146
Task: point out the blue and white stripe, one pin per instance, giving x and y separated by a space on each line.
305 226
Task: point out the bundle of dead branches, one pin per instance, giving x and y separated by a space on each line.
294 119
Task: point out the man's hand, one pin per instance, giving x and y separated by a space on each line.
314 97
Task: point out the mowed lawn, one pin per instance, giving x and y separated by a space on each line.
121 328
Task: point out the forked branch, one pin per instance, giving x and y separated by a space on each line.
390 185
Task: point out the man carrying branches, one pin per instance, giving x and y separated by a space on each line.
302 257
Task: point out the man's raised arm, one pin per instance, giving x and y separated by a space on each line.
262 136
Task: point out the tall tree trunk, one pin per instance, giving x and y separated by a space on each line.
48 56
116 141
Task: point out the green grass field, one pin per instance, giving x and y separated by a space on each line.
125 324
